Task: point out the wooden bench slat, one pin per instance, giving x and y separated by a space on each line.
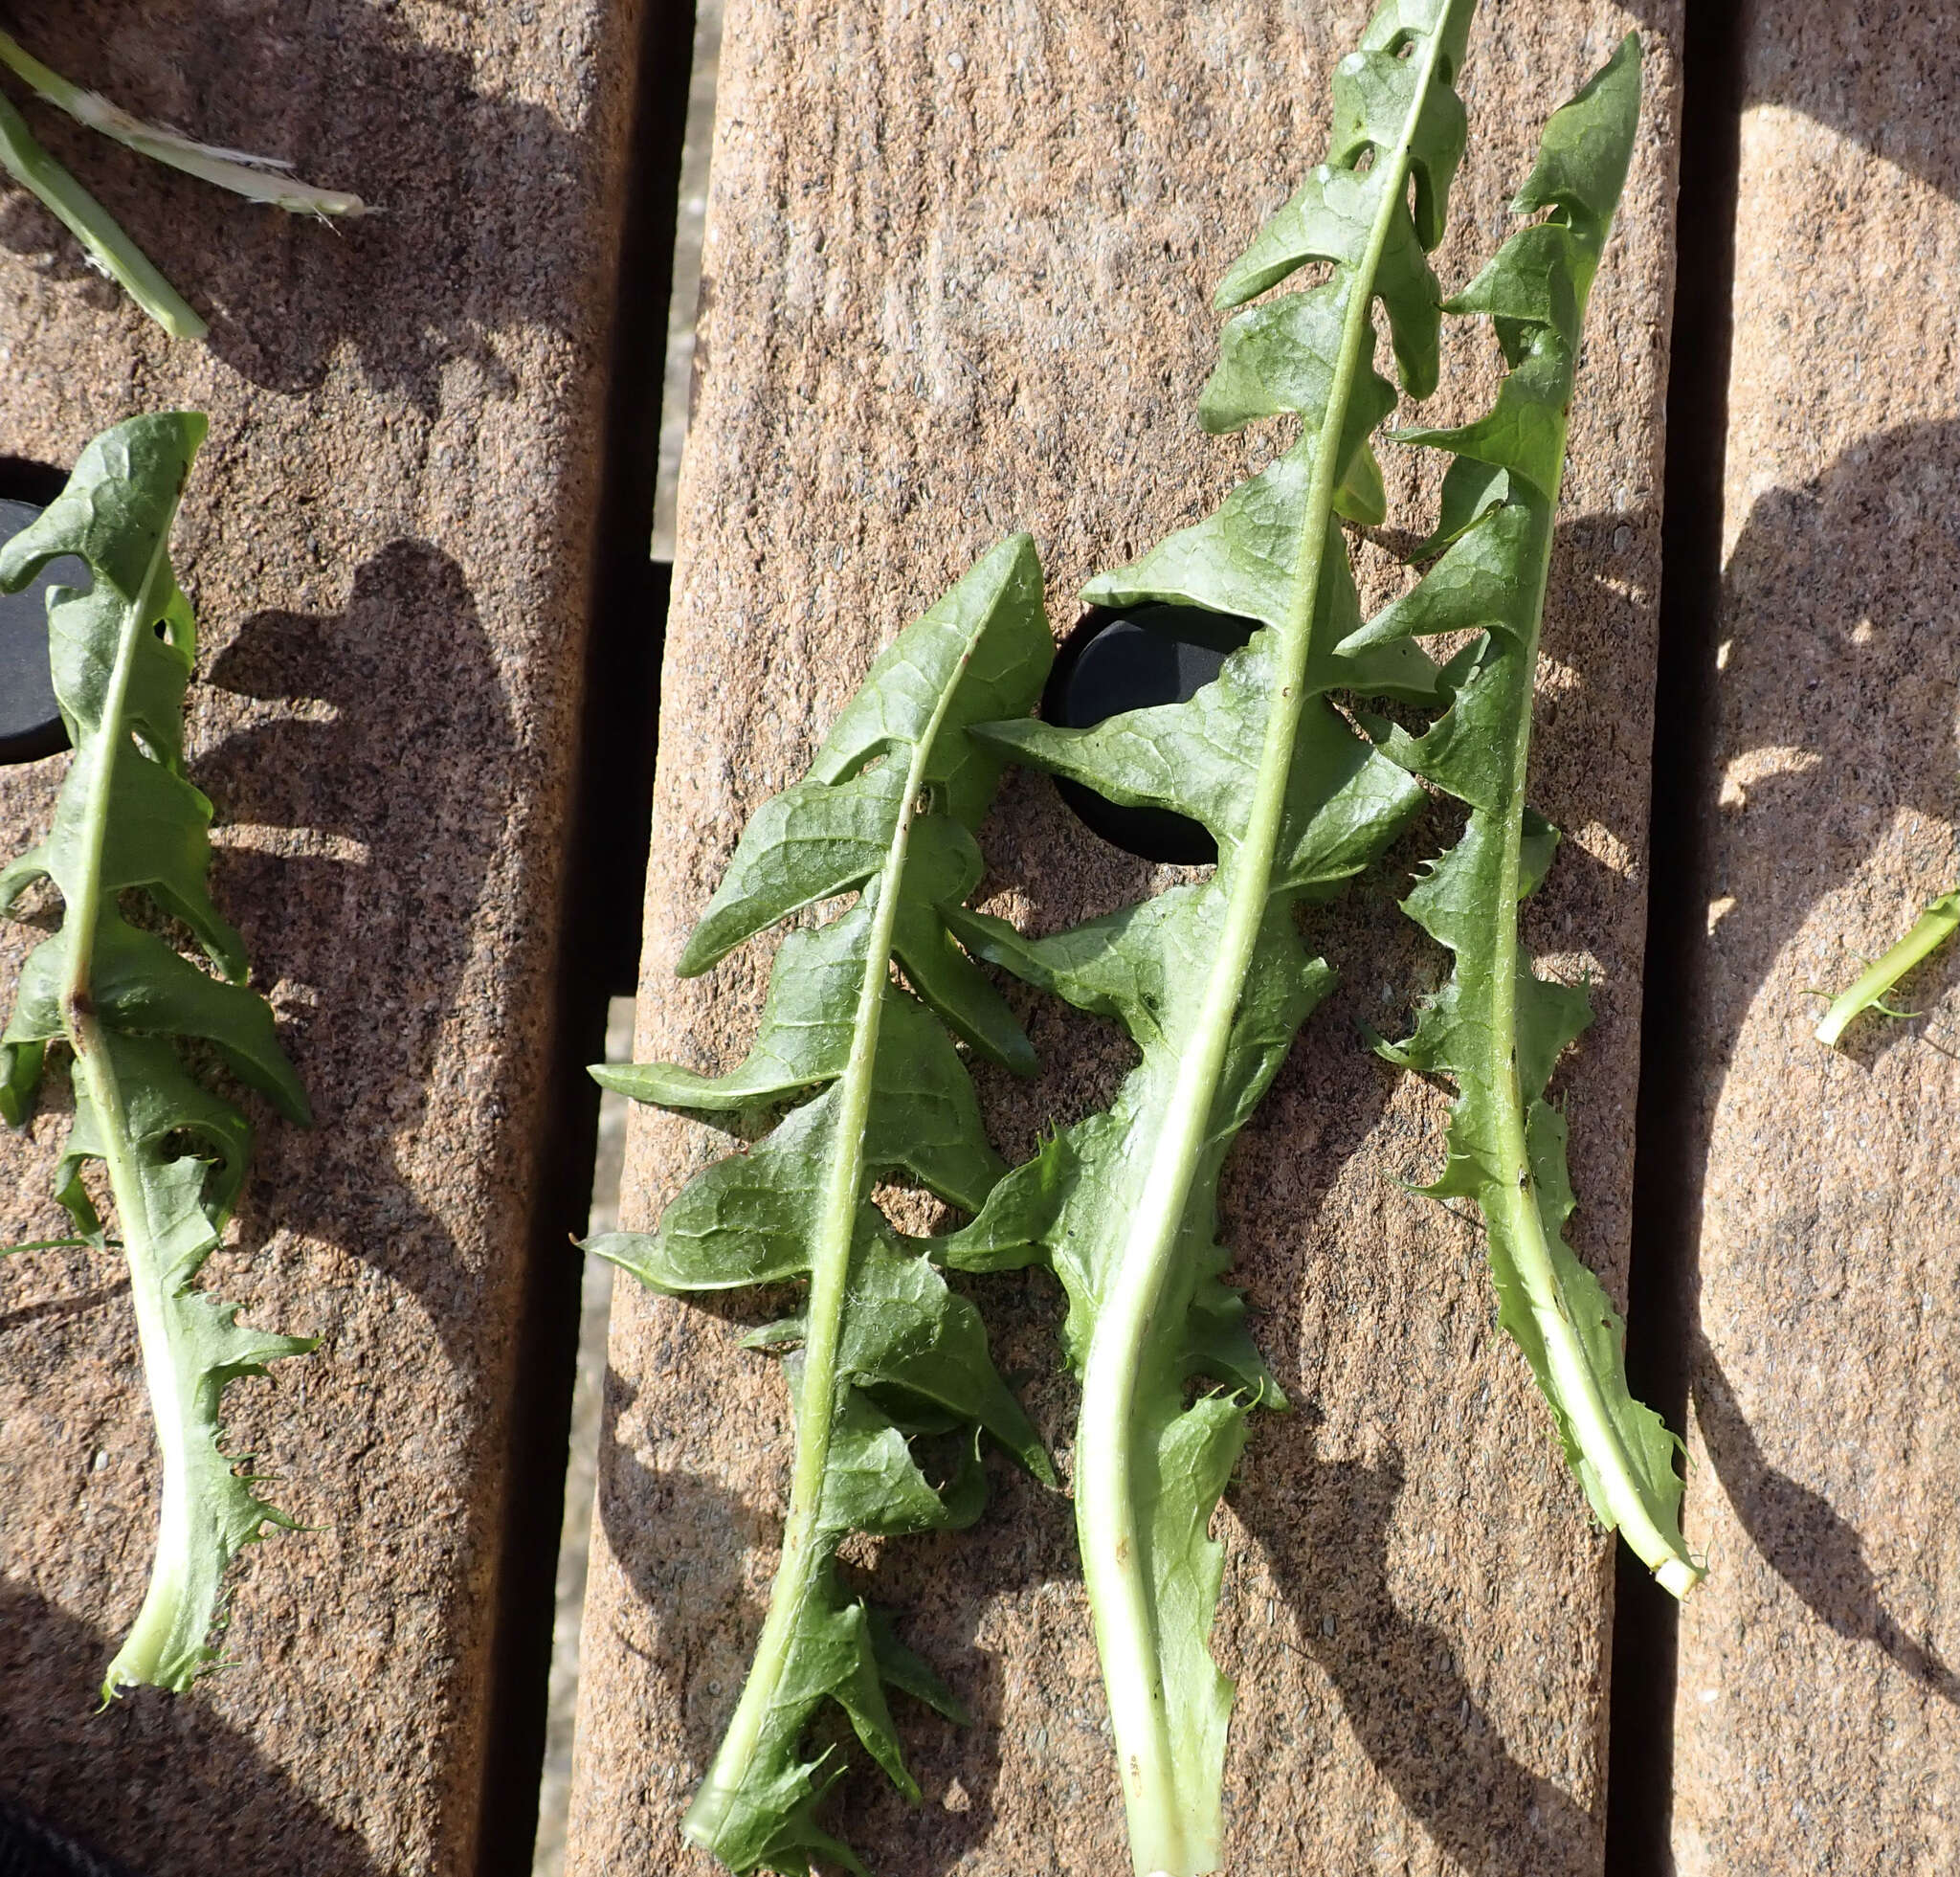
389 542
1820 1664
957 281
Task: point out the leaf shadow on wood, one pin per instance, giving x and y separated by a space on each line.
1836 696
939 1588
66 1302
1848 67
1802 1538
368 786
1417 1719
374 796
1845 65
478 189
681 1541
123 1780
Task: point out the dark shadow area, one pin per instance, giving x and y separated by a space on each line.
23 480
1639 1784
1802 1539
1840 601
1848 66
680 1541
1797 586
29 1847
938 1588
72 1304
390 759
1834 708
478 187
363 787
123 1780
1417 1720
379 782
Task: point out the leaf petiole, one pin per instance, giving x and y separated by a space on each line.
1934 927
91 224
266 179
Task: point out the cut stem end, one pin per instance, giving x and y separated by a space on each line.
1678 1577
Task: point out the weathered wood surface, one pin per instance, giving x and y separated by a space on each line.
388 543
958 281
1818 1716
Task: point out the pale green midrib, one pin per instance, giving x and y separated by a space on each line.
1164 1840
143 1651
1514 1197
149 1641
803 1536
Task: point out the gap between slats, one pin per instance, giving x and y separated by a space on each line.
599 926
1666 1215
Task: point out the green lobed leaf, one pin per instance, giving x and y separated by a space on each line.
888 1367
1211 980
129 821
1497 1029
1338 209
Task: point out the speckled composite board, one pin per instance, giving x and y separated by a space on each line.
1818 1704
956 282
958 274
387 542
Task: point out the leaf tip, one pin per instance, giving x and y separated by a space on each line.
696 957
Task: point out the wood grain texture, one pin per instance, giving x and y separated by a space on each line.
958 272
1819 1702
387 542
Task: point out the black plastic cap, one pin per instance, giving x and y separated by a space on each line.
1132 660
31 724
